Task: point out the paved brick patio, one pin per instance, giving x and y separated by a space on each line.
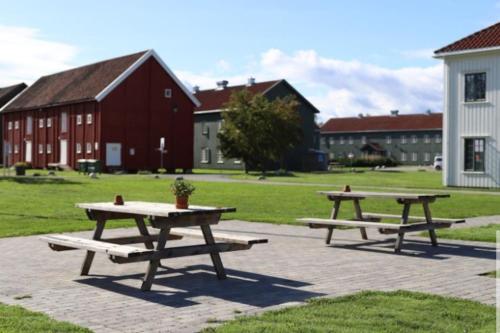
294 266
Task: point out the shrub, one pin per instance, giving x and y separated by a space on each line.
372 161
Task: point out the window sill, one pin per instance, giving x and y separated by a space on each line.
204 162
476 102
220 162
473 172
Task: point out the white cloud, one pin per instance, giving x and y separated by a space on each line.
223 65
27 55
343 88
418 53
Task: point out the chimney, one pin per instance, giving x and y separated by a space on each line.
394 113
221 85
251 81
360 115
429 112
196 89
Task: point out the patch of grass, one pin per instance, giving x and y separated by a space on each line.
49 207
486 233
373 312
493 274
15 319
22 297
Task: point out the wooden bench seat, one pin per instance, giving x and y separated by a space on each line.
411 218
218 236
65 242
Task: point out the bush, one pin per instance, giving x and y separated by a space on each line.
369 162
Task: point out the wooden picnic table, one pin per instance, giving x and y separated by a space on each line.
363 220
172 223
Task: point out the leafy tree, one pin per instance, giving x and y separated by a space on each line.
258 131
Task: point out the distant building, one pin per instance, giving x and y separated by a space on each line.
6 95
472 109
208 122
115 111
413 139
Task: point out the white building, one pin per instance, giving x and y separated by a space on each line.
471 122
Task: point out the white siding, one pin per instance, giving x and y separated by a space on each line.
477 119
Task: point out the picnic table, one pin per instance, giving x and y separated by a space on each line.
363 220
172 223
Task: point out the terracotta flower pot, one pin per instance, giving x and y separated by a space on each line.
181 202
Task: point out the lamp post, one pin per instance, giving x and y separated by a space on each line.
350 156
162 151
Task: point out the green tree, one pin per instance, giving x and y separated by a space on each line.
258 131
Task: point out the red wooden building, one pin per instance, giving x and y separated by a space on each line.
116 111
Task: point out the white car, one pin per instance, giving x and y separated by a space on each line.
438 162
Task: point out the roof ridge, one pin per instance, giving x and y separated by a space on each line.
474 34
240 85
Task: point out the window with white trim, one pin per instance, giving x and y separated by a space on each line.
29 125
78 148
427 157
403 156
323 140
237 162
414 139
78 119
403 139
49 148
96 146
414 156
341 140
16 148
40 148
16 124
204 129
219 126
332 156
388 139
350 140
89 119
10 149
64 122
474 154
89 148
363 139
220 156
438 138
205 155
40 123
9 126
475 87
332 140
49 122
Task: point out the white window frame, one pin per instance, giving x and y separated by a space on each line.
41 123
350 140
40 149
10 149
414 139
427 138
78 119
427 157
49 148
16 124
403 156
29 125
403 139
438 138
88 148
341 140
16 148
363 139
205 155
64 122
96 146
331 155
388 139
331 140
220 157
414 156
78 148
237 162
89 118
49 122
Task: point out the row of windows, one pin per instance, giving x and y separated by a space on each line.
206 156
205 129
388 139
403 157
48 148
48 123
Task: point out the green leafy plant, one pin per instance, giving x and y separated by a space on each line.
21 165
182 188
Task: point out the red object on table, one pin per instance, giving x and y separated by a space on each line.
119 200
347 188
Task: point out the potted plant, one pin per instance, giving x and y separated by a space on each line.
20 168
182 190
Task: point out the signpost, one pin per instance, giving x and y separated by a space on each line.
162 151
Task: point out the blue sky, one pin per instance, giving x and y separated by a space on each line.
346 56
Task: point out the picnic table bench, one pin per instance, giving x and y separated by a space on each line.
373 220
173 224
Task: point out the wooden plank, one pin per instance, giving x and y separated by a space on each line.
137 239
412 218
143 230
140 208
214 255
428 218
347 223
414 227
404 220
89 257
154 263
388 195
184 221
333 216
219 236
359 217
95 246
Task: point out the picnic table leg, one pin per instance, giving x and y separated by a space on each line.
153 264
404 220
144 231
428 218
89 257
333 216
216 260
359 217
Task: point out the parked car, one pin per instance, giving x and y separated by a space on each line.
438 162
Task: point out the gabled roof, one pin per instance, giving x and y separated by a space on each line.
86 83
215 99
408 122
8 93
482 40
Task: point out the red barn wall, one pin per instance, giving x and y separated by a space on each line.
137 114
44 136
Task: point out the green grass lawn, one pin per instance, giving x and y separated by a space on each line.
402 312
485 233
15 319
43 205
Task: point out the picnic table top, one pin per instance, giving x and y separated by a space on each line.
388 195
152 208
